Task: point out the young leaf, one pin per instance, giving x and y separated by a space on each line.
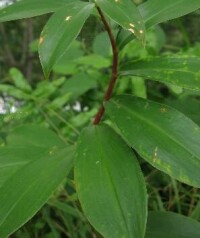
13 91
126 14
110 184
161 135
171 225
24 193
62 28
157 11
30 8
19 80
181 71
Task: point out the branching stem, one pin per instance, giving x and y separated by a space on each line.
114 67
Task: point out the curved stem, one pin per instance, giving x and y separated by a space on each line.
114 67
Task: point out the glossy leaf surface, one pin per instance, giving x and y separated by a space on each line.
171 225
126 14
157 11
32 165
181 71
59 32
30 8
160 134
110 184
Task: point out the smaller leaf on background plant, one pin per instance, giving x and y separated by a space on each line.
171 225
78 84
19 80
14 92
163 136
110 184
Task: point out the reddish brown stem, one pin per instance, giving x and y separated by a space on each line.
114 67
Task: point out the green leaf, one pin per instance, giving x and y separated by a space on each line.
13 91
126 14
181 70
19 80
101 45
157 11
60 31
24 145
30 8
96 61
110 184
171 225
12 158
161 135
33 135
27 190
78 84
67 209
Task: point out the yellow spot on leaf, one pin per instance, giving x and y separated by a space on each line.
163 109
68 18
131 30
41 40
155 154
131 25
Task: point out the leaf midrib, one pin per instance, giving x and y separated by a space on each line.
157 128
112 183
161 69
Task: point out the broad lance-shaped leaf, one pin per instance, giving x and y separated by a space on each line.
181 71
59 32
110 184
157 11
160 134
126 14
24 193
25 144
171 225
30 8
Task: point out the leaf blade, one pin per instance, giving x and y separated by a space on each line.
171 225
30 8
163 136
156 11
33 189
59 32
126 14
181 71
20 142
110 185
